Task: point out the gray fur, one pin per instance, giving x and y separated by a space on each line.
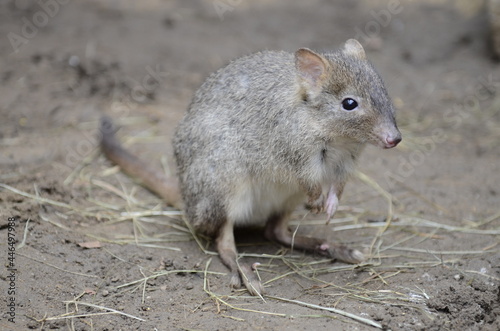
265 134
254 124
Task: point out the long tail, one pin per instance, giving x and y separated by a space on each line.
155 181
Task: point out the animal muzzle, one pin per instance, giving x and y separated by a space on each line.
392 139
388 136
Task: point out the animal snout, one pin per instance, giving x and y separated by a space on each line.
392 140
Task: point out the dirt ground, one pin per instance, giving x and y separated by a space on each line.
95 251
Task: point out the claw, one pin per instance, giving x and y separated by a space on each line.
251 281
235 282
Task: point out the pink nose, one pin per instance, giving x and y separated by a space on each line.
392 141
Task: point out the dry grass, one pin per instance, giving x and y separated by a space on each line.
387 257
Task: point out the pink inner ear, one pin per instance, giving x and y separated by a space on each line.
310 65
314 70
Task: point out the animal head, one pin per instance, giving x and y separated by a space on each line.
347 95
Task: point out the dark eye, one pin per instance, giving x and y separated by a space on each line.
349 104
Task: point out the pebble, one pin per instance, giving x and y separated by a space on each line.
74 61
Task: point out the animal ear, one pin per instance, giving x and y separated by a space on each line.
313 69
353 48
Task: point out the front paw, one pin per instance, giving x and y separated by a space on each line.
332 203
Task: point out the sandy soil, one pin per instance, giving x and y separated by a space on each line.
436 267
